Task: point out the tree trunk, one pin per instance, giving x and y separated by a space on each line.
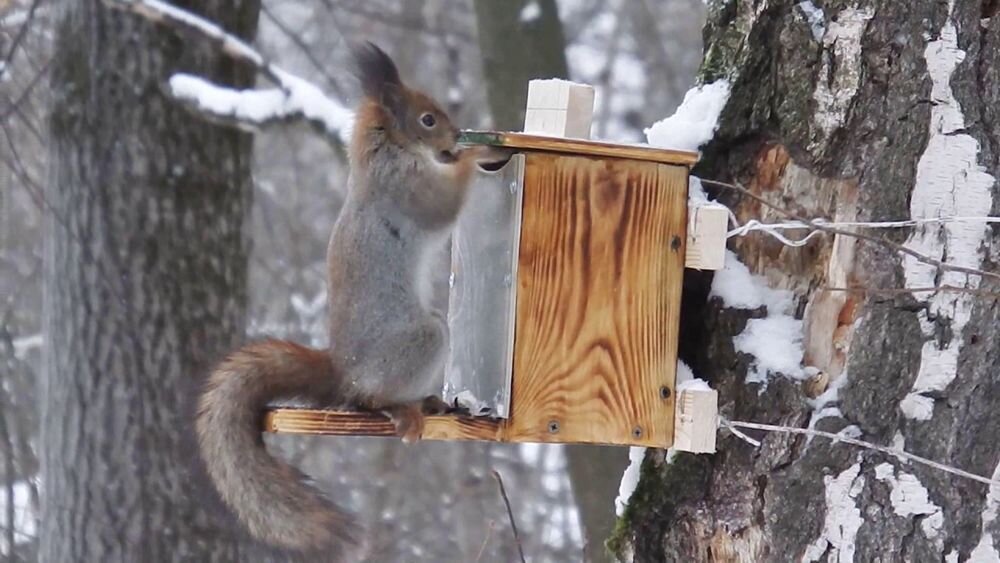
882 110
516 49
144 282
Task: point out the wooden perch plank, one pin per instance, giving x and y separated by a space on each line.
580 147
598 300
353 423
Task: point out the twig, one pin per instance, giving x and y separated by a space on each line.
486 540
21 34
294 97
819 226
510 514
906 290
730 424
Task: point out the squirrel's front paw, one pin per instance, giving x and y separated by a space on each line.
408 421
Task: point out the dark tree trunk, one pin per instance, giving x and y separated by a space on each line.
872 117
515 51
145 285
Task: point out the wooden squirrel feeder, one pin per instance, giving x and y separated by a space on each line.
567 266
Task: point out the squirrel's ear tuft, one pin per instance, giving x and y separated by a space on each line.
378 74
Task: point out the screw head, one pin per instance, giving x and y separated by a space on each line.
637 432
675 243
553 427
664 392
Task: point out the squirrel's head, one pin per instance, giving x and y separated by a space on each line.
410 117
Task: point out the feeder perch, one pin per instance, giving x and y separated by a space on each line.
565 292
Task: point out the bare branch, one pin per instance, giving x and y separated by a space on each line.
881 241
510 513
294 98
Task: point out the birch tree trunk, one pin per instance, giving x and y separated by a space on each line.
870 110
144 282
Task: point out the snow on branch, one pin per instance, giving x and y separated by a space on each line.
293 98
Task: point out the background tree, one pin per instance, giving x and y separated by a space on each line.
145 284
874 110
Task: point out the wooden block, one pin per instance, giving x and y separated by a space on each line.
600 268
696 420
353 423
708 224
559 108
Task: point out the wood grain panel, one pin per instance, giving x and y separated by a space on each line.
352 423
582 147
598 302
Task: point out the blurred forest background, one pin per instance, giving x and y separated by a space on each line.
432 502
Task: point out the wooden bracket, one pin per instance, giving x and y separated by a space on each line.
559 108
708 224
696 420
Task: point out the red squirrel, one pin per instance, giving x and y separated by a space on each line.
408 182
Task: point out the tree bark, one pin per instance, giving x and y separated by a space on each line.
873 111
515 51
144 282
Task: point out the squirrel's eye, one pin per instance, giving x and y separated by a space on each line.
428 120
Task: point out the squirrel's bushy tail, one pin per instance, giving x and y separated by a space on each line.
269 497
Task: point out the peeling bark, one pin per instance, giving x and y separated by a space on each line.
832 110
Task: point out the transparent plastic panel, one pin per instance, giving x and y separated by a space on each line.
481 300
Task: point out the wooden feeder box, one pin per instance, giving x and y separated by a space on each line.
565 294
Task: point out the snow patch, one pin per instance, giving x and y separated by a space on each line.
950 182
740 289
843 518
630 479
261 106
774 341
840 75
530 12
695 120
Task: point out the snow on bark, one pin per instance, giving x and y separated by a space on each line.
840 72
843 518
774 341
950 182
695 120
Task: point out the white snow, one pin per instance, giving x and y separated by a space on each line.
630 479
24 515
530 12
774 341
910 498
840 75
258 107
843 518
950 182
815 18
695 120
740 289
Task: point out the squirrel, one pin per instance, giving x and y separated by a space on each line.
407 183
